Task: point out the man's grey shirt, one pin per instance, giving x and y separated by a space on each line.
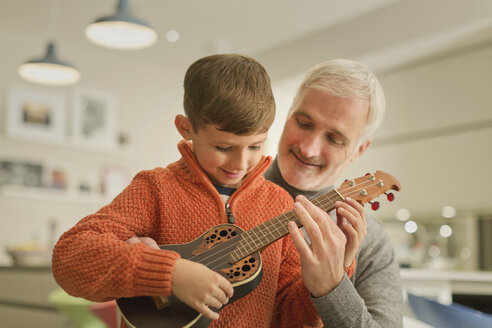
372 297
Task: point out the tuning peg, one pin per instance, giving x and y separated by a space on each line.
374 205
390 196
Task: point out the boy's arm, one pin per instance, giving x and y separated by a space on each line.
195 284
92 259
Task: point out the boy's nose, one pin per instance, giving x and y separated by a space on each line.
240 162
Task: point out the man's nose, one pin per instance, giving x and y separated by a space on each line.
310 145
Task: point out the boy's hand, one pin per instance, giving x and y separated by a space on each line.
146 240
195 284
322 262
199 287
355 229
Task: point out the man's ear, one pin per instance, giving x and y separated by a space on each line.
362 148
184 127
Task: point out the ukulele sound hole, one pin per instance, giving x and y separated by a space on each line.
218 235
242 269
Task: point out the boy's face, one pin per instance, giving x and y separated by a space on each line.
225 157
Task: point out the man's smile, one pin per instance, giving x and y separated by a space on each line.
303 161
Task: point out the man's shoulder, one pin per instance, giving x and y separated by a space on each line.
374 225
376 239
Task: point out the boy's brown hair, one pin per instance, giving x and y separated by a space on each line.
230 91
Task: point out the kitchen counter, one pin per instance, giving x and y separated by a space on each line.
441 285
24 294
23 268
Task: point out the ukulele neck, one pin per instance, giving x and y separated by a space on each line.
272 230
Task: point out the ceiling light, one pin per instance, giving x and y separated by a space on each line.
403 214
121 30
434 251
448 212
411 226
445 231
172 36
49 69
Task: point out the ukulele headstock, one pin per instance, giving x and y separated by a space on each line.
364 189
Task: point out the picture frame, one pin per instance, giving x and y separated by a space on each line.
22 173
57 176
114 178
93 122
35 115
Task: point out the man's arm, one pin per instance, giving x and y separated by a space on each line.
373 297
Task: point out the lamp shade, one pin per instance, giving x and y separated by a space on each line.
121 30
49 69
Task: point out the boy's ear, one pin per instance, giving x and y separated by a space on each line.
184 126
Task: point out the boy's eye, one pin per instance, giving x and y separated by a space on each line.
222 148
255 147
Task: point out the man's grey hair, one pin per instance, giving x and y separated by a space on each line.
347 79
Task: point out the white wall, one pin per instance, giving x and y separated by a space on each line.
452 169
149 93
449 170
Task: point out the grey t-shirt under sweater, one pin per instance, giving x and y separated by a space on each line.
372 297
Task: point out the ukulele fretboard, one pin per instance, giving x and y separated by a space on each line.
272 230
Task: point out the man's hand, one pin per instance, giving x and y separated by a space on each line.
355 229
195 284
199 287
322 262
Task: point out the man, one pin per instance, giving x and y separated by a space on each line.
338 106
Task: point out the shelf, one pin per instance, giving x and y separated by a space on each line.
47 194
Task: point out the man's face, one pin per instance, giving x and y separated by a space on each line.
319 138
227 157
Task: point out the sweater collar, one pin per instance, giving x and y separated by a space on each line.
198 174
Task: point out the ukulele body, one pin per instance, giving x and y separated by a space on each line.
211 249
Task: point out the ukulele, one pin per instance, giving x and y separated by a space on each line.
235 254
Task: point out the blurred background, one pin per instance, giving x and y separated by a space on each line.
67 150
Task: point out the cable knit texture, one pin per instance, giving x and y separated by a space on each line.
175 205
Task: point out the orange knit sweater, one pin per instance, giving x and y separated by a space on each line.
176 205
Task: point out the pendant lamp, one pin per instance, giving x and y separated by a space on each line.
121 30
49 69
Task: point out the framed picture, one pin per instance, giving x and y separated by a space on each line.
94 118
21 173
35 115
56 176
114 179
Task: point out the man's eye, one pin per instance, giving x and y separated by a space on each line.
303 124
224 149
334 141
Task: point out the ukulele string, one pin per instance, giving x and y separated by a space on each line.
218 261
230 248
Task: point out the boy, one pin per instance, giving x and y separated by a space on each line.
229 108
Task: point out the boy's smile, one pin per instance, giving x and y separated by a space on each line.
225 157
